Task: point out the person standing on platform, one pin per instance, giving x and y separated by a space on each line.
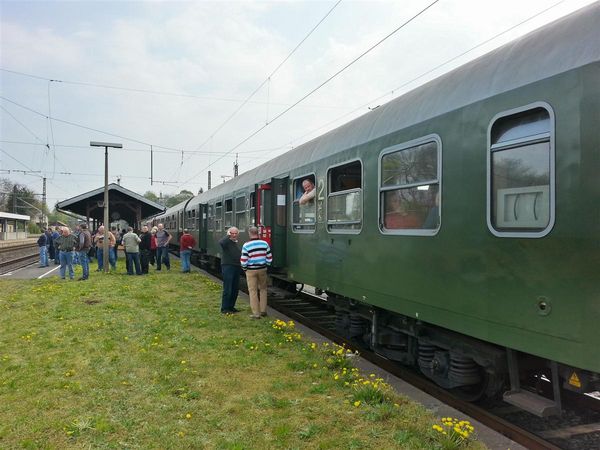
84 244
186 244
49 244
145 249
162 247
56 235
99 241
153 246
256 256
68 242
131 243
118 241
230 268
41 242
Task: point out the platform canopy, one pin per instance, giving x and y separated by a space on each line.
123 204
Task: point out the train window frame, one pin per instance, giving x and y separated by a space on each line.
210 217
219 216
521 142
228 213
241 212
430 138
297 227
332 194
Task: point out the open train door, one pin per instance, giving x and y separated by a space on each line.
271 215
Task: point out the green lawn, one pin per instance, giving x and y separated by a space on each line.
149 362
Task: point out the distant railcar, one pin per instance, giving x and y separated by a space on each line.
456 228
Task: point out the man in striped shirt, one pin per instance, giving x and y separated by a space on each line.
256 256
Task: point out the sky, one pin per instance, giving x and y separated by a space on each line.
178 78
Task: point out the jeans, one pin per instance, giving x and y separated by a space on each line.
185 260
133 259
43 256
66 261
231 283
162 255
111 258
56 256
85 264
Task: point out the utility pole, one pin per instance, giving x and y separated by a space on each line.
209 179
235 166
151 165
15 199
44 206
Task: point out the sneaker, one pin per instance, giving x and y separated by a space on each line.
263 314
235 310
252 316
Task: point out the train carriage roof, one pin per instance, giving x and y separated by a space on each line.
568 43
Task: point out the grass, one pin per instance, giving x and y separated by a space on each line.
149 362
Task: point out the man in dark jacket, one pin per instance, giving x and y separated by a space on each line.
230 268
41 242
145 248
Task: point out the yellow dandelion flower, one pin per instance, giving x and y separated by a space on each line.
188 416
356 403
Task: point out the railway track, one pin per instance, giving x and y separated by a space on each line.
17 256
577 429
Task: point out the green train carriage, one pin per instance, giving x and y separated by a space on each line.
455 228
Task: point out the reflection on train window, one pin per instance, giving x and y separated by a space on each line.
344 200
210 217
219 216
304 208
410 189
520 167
240 212
228 213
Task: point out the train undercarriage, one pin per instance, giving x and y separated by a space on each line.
472 369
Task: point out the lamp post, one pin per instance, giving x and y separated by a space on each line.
106 145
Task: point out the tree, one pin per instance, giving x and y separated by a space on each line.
178 198
151 196
19 199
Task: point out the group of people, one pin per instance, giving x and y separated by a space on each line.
150 247
64 248
253 257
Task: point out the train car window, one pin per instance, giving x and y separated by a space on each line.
409 187
219 216
253 208
304 208
210 217
521 173
344 199
240 212
228 213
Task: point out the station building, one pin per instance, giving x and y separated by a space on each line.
13 226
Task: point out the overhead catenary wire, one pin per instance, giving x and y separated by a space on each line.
266 80
154 92
422 11
395 90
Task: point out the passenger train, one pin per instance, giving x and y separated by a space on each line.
456 228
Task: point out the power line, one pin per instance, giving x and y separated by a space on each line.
268 79
149 91
140 150
319 86
393 91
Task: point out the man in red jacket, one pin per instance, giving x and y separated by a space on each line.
186 244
